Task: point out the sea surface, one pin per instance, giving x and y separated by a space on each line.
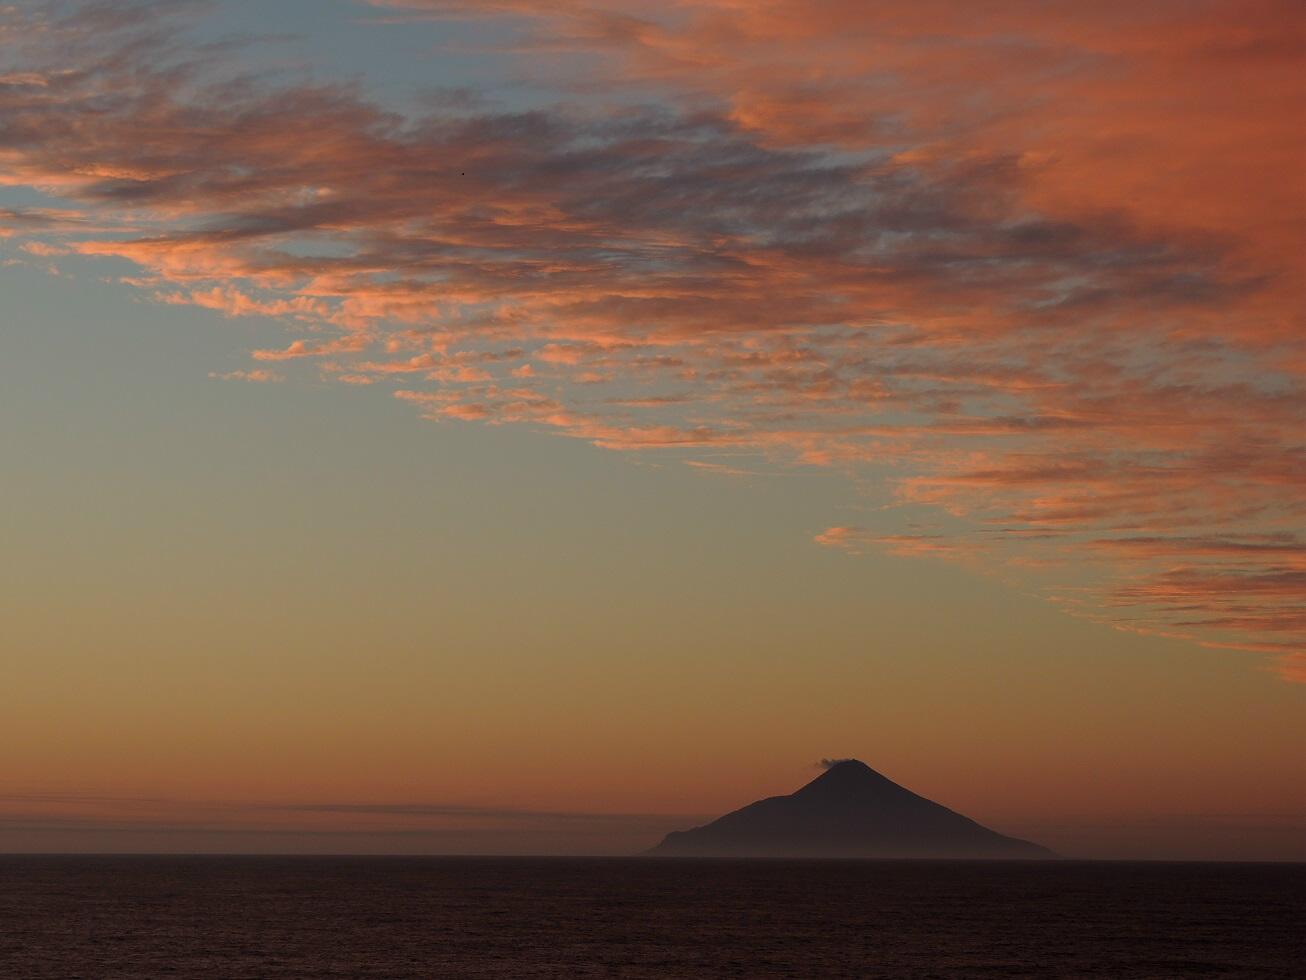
312 917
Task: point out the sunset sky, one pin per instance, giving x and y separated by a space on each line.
516 426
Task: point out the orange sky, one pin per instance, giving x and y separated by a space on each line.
937 300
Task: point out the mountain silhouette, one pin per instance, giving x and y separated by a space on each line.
848 811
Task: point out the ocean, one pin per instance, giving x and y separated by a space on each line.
107 917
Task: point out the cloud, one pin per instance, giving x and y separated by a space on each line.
717 469
1037 270
42 821
258 376
25 78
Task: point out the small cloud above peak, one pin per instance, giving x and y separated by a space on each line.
831 763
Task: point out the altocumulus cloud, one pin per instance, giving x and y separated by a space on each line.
924 263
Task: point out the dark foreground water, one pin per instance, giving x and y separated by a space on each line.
223 917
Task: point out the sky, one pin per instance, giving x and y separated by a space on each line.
495 426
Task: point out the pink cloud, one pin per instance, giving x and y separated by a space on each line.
1042 267
257 376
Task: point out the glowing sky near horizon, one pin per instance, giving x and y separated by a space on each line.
913 361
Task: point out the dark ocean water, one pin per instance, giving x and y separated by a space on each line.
224 917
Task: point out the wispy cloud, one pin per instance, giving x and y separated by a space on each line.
111 823
1039 270
257 376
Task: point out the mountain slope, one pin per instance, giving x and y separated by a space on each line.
848 811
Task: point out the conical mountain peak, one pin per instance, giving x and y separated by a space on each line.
850 810
847 767
845 772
